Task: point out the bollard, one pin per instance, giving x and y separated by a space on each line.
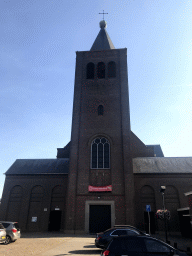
175 245
168 242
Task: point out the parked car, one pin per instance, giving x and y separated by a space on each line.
139 246
103 238
132 227
2 234
12 231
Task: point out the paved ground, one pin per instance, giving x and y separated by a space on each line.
58 244
50 244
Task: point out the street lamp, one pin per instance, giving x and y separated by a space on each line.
162 191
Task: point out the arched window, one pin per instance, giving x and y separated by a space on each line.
100 110
172 203
101 70
100 153
14 206
90 70
111 69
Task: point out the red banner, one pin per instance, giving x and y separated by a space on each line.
99 189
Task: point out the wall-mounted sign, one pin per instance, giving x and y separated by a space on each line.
34 219
100 189
57 209
45 209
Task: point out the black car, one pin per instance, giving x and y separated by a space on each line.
103 238
139 246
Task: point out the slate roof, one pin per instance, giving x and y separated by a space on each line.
163 165
157 150
39 166
102 41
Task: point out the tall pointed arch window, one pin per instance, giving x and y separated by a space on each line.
101 70
100 153
90 70
111 69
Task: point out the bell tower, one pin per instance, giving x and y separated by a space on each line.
100 171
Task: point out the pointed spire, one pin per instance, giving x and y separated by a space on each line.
103 41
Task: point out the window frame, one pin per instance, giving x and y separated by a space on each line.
91 164
118 230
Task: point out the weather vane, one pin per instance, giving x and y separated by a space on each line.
103 14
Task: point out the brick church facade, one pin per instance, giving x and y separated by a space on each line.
105 175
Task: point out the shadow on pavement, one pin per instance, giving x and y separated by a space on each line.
85 252
51 234
89 246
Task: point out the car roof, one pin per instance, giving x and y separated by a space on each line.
128 226
122 227
111 229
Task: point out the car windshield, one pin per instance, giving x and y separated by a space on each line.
5 224
107 232
132 233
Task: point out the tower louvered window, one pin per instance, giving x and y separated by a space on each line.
100 154
111 69
90 70
101 70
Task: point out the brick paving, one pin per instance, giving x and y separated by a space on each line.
59 244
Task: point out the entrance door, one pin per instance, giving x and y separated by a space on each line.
99 218
185 225
55 221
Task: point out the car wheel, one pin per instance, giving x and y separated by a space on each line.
8 240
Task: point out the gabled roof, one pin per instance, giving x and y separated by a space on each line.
162 165
102 41
39 166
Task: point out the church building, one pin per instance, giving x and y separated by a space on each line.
105 175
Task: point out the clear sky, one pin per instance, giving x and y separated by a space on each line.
38 42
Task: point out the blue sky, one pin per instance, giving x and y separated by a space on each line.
38 42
